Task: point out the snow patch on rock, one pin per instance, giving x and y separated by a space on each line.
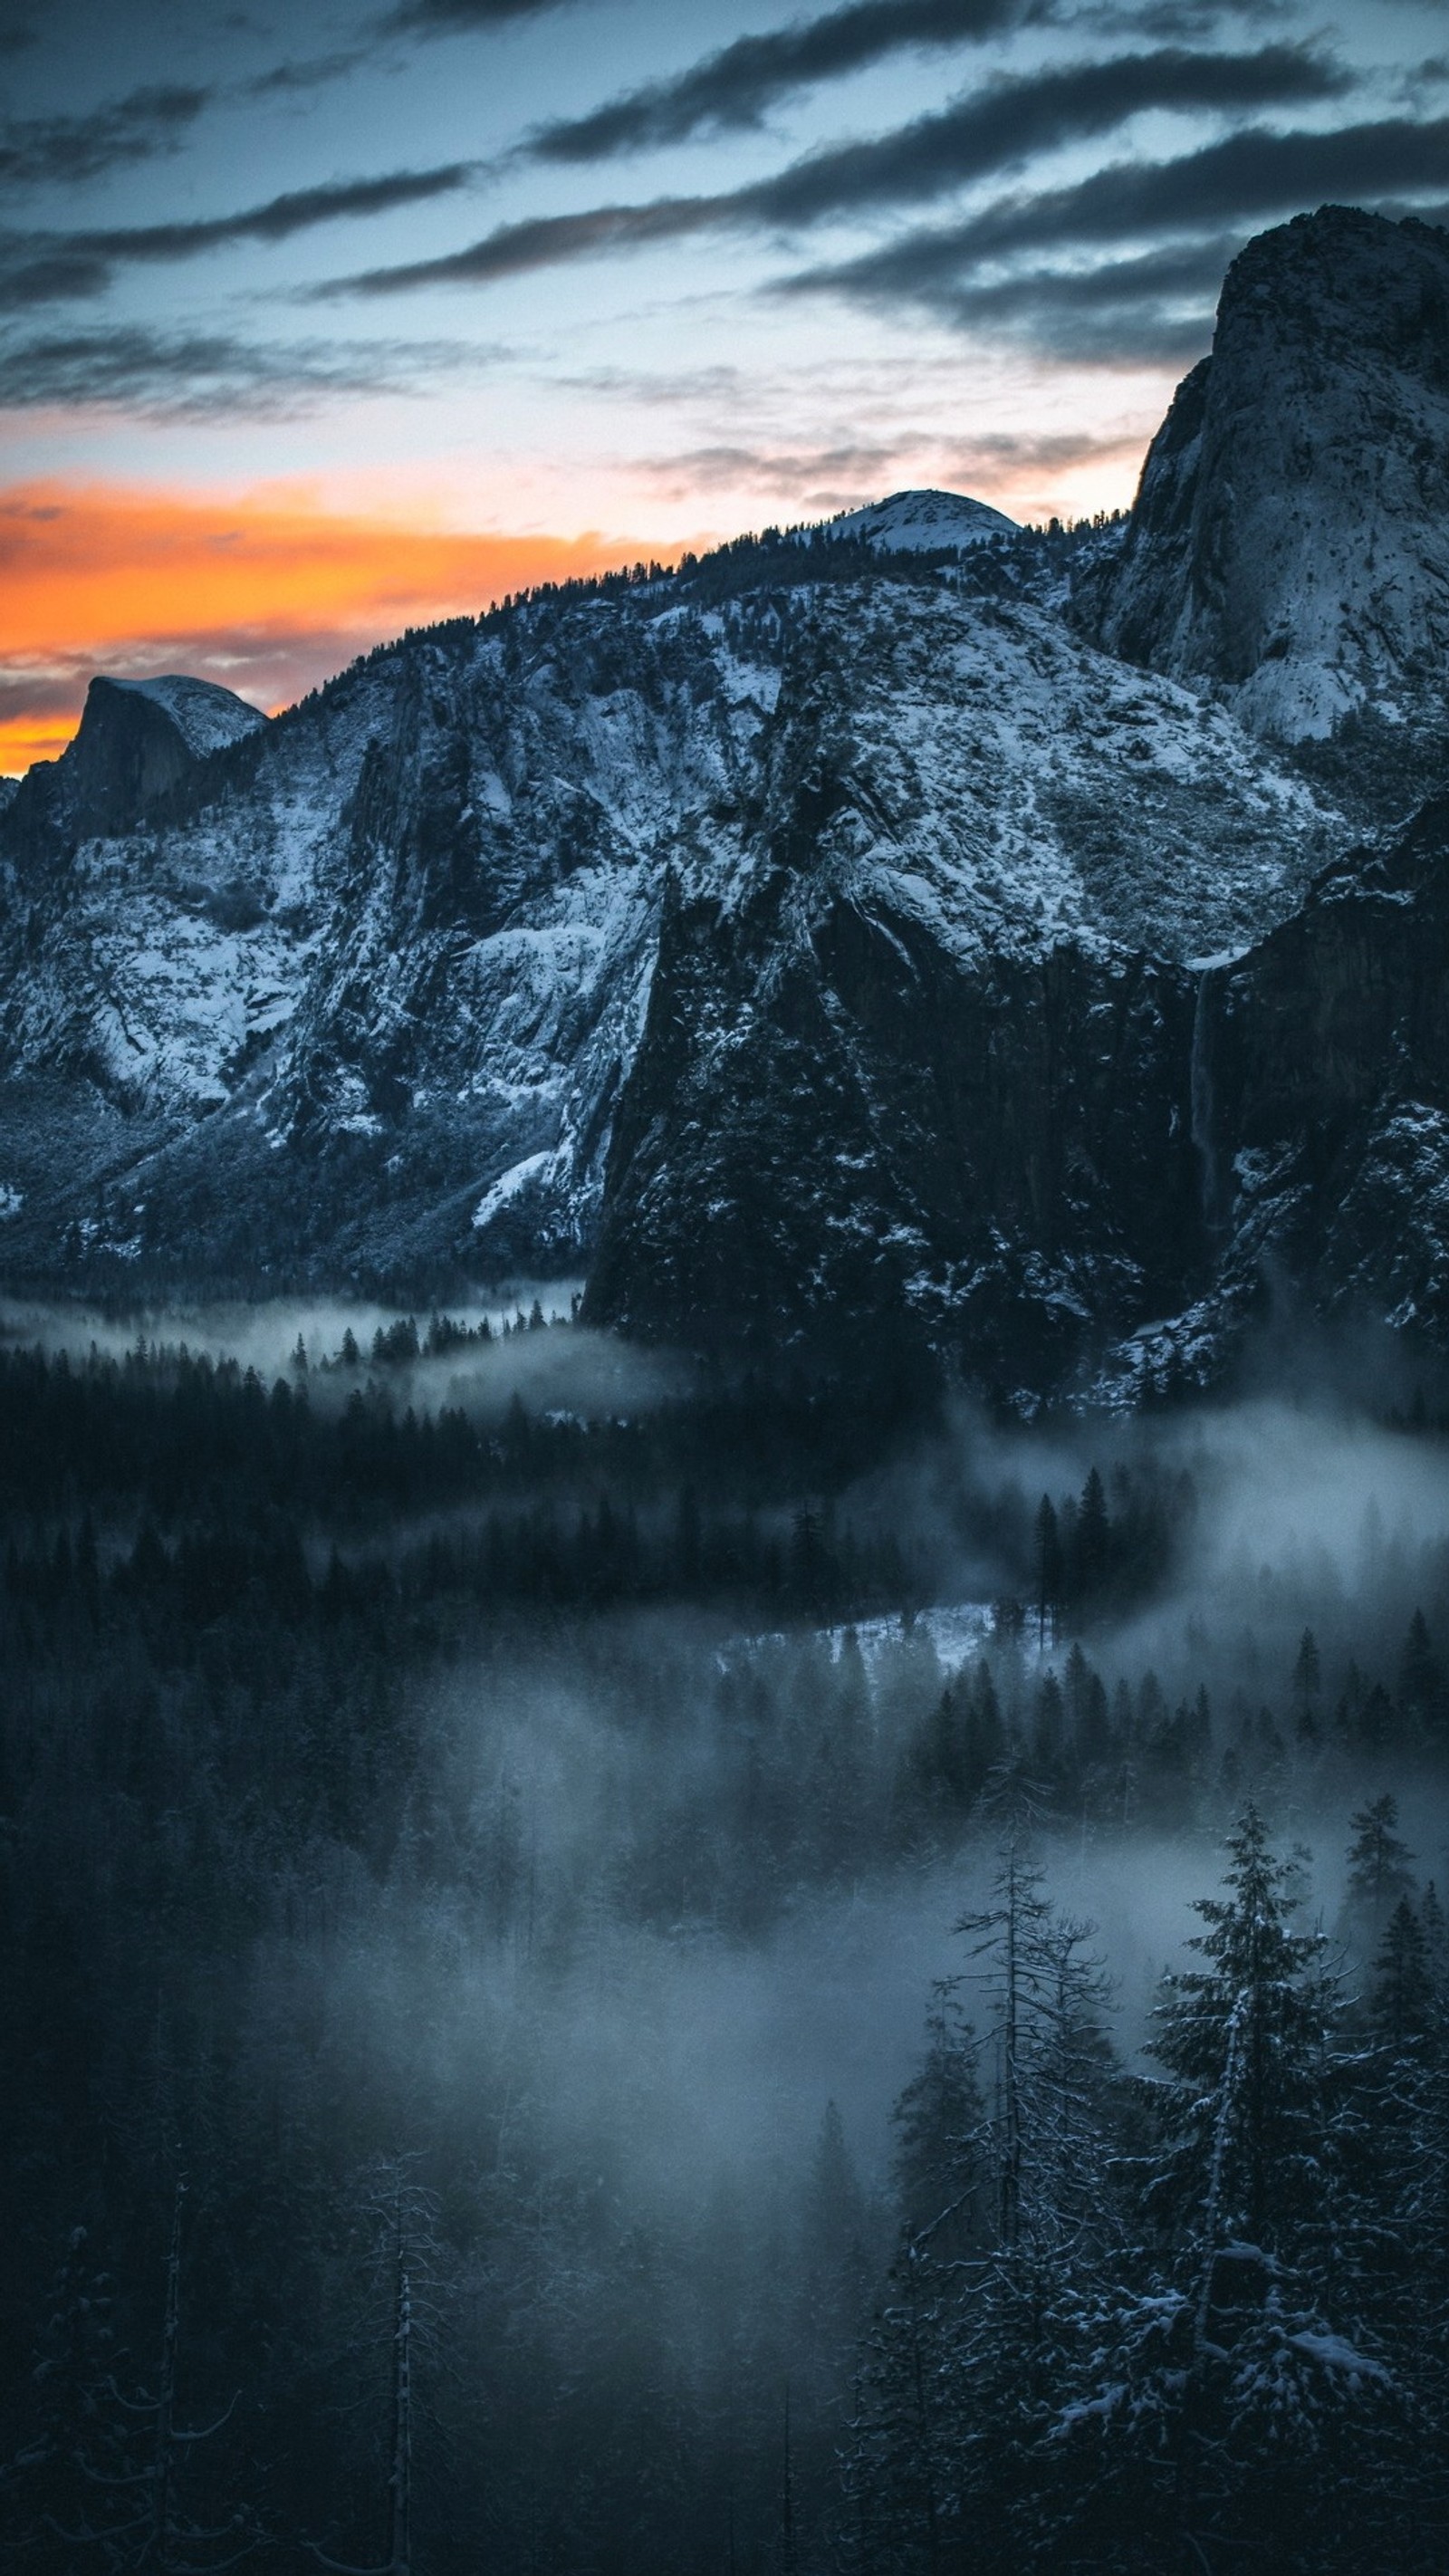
206 716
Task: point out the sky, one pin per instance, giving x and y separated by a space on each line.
324 319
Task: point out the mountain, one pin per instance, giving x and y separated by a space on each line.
1324 1088
404 939
894 923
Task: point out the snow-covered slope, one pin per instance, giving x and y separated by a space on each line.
206 717
922 523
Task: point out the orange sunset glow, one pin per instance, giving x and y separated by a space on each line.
267 593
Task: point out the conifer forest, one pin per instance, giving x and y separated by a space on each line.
615 1972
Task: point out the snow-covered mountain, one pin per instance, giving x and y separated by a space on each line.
816 934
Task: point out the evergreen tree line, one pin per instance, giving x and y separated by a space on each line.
1182 2314
174 1436
736 1491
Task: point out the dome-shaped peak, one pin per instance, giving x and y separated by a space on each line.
923 522
139 739
206 716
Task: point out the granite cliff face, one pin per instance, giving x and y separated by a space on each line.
1289 547
1325 1057
857 1128
138 741
918 921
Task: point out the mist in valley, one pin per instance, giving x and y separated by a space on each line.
688 1886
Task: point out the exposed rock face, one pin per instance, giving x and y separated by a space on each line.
837 1129
1329 1054
137 741
1289 547
1018 1159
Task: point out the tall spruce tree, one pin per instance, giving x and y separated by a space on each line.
1009 2134
1234 2411
1378 1867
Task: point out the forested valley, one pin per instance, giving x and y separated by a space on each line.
695 1976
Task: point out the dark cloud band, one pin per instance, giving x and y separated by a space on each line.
1000 127
35 150
461 17
1155 309
1239 180
199 375
992 130
736 86
39 269
546 241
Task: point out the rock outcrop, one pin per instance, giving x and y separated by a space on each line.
1289 546
137 742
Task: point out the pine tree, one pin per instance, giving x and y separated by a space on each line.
1305 1684
835 2270
937 2168
1401 2003
1091 1543
1228 2407
1050 1569
1421 1683
963 2369
105 2485
397 2231
1378 1864
1240 2040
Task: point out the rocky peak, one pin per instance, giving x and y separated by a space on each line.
1289 544
140 738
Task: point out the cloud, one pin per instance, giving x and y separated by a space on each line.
1174 19
198 375
1009 122
546 241
734 87
47 268
811 480
989 131
1156 309
36 150
266 592
313 71
1239 180
461 17
844 473
1153 303
1152 309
